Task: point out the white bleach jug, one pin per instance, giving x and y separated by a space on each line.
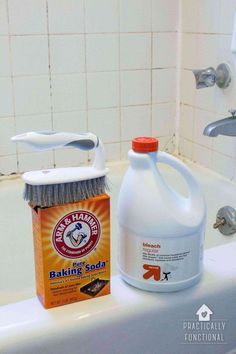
161 232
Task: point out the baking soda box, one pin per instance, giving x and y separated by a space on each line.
72 251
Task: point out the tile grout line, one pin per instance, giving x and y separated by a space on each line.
151 71
93 109
12 83
50 79
49 64
90 72
90 33
86 76
202 108
192 132
119 79
178 78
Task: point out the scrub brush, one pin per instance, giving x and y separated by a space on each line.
50 187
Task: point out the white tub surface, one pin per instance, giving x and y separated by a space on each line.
129 320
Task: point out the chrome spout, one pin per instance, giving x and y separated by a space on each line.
226 126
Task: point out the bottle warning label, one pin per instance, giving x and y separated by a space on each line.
160 259
170 259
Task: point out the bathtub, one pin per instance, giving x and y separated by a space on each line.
129 321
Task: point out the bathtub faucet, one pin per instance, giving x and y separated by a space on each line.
226 220
226 126
205 78
209 77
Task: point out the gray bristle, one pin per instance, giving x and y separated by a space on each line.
54 194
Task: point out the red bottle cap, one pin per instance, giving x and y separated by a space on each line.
145 144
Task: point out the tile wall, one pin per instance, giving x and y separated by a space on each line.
206 38
106 66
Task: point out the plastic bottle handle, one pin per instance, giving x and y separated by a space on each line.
47 140
195 193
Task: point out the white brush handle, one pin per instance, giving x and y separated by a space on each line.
47 140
